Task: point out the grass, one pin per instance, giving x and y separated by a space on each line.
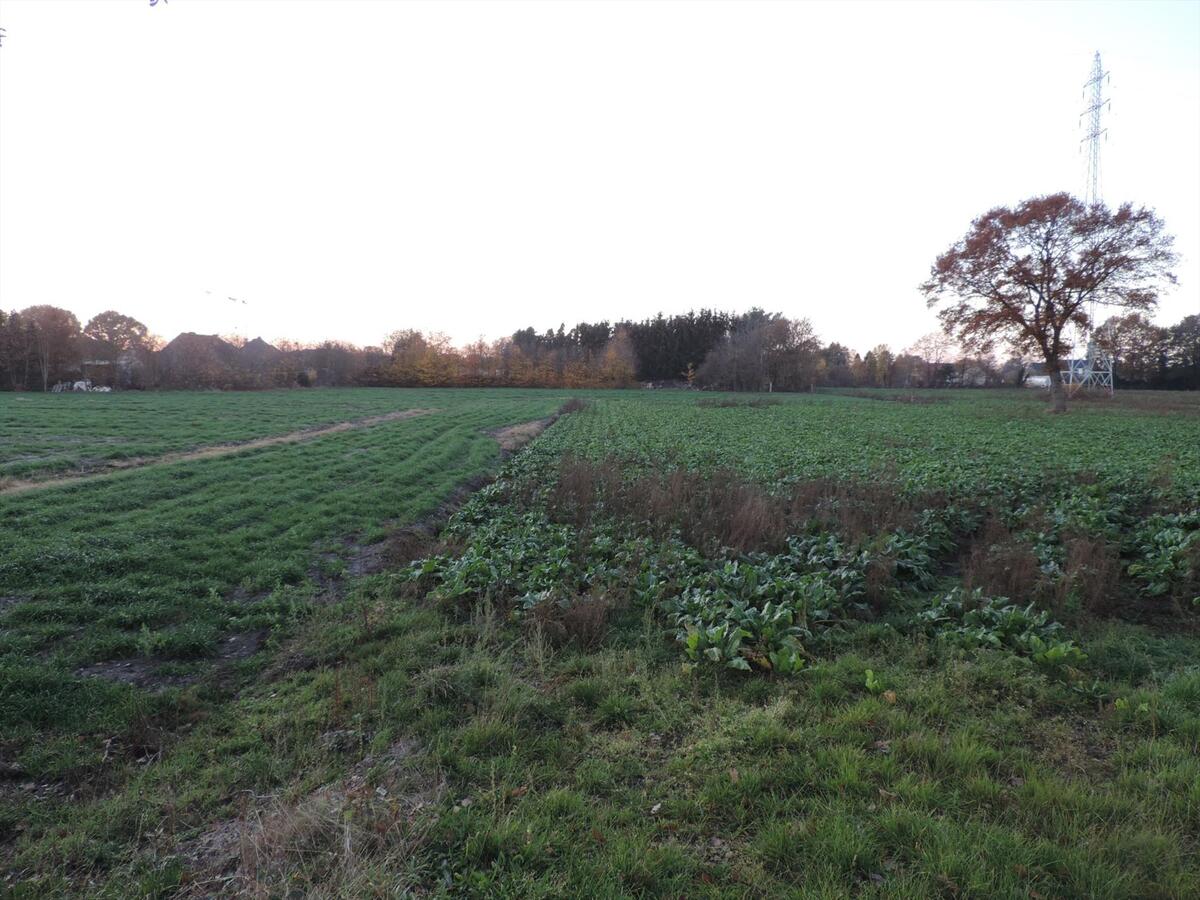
48 434
166 562
553 772
461 732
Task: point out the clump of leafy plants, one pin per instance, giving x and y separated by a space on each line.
1167 550
972 619
743 618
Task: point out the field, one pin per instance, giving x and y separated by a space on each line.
880 645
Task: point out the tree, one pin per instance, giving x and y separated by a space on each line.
1183 349
1022 276
121 331
1138 348
764 352
7 349
794 358
838 366
880 369
618 365
934 348
54 334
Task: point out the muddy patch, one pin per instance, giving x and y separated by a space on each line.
17 487
241 646
366 560
10 601
156 675
245 597
140 672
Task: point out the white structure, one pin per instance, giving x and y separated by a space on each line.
1094 371
1096 105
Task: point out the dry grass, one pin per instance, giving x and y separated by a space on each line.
1091 571
1003 566
722 510
582 623
918 399
725 510
339 834
857 509
575 404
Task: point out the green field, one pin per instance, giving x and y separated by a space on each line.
881 645
49 434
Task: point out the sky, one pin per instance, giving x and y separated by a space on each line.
345 169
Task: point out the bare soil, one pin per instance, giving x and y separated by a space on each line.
141 672
144 671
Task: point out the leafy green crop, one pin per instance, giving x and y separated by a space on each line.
970 619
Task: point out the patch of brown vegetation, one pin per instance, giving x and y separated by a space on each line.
575 404
331 836
17 487
919 399
582 622
1091 573
723 509
1003 566
858 509
513 437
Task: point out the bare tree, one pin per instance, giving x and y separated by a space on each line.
764 353
934 348
1023 275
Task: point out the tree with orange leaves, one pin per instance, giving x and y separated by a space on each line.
1022 276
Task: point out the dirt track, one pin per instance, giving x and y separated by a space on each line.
17 487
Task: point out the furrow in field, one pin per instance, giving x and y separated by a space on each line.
21 486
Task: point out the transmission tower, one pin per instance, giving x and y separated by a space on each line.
1096 370
1094 90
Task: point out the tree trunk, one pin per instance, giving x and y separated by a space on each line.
1058 393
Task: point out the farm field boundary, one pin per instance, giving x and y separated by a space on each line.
16 487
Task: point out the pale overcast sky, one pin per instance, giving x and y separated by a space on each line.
350 168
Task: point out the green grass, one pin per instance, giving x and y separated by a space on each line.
411 736
165 561
47 434
614 773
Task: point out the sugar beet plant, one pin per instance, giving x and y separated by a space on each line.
756 610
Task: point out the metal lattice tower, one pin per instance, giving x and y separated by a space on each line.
1094 91
1096 370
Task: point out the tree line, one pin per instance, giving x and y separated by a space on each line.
42 346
